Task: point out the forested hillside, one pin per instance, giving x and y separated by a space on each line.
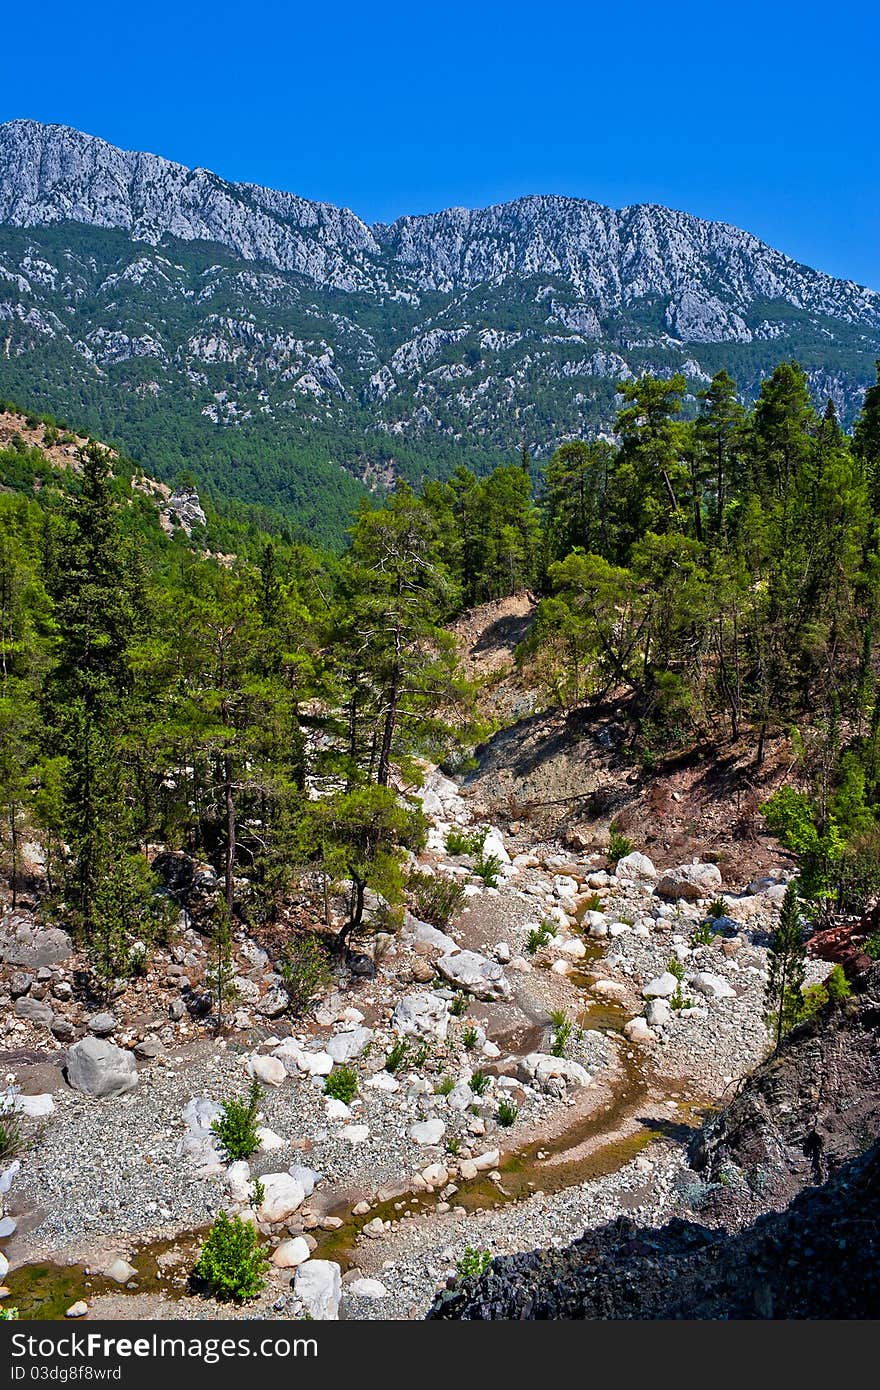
195 691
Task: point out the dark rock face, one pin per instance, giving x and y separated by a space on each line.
804 1131
811 1107
818 1259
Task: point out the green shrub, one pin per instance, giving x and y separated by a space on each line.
11 1137
676 968
435 898
465 841
717 908
680 1000
562 1028
305 969
453 1145
470 1038
445 1086
342 1084
397 1056
872 946
507 1112
538 938
618 846
231 1261
837 985
703 935
236 1128
473 1262
813 998
487 868
479 1083
459 1005
8 1315
592 903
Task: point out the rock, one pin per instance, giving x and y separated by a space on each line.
418 933
282 1196
119 1270
269 1140
608 989
366 1288
336 1109
363 966
102 1025
21 943
200 1113
34 1011
100 1068
427 1132
8 1226
37 1107
374 1228
635 868
354 1134
238 1181
307 1178
8 1175
637 1030
270 1070
344 1047
572 947
658 1013
20 983
78 1309
422 1015
662 987
690 881
421 971
62 1029
436 1175
319 1284
149 1048
486 1162
4 1266
713 986
290 1254
383 1081
542 1068
274 1003
475 974
502 952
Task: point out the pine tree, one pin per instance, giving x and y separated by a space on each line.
785 980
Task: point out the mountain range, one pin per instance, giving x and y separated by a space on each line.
288 353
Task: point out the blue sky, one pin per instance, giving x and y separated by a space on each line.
761 114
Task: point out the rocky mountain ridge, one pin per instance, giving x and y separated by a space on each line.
176 312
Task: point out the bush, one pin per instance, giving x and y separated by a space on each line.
507 1113
305 969
618 846
236 1128
837 985
562 1027
538 938
231 1261
479 1083
445 1086
676 968
342 1084
397 1056
435 898
465 841
473 1262
703 935
459 1005
470 1038
11 1138
487 868
872 946
717 908
680 1000
813 998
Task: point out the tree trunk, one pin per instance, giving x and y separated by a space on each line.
384 768
229 801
